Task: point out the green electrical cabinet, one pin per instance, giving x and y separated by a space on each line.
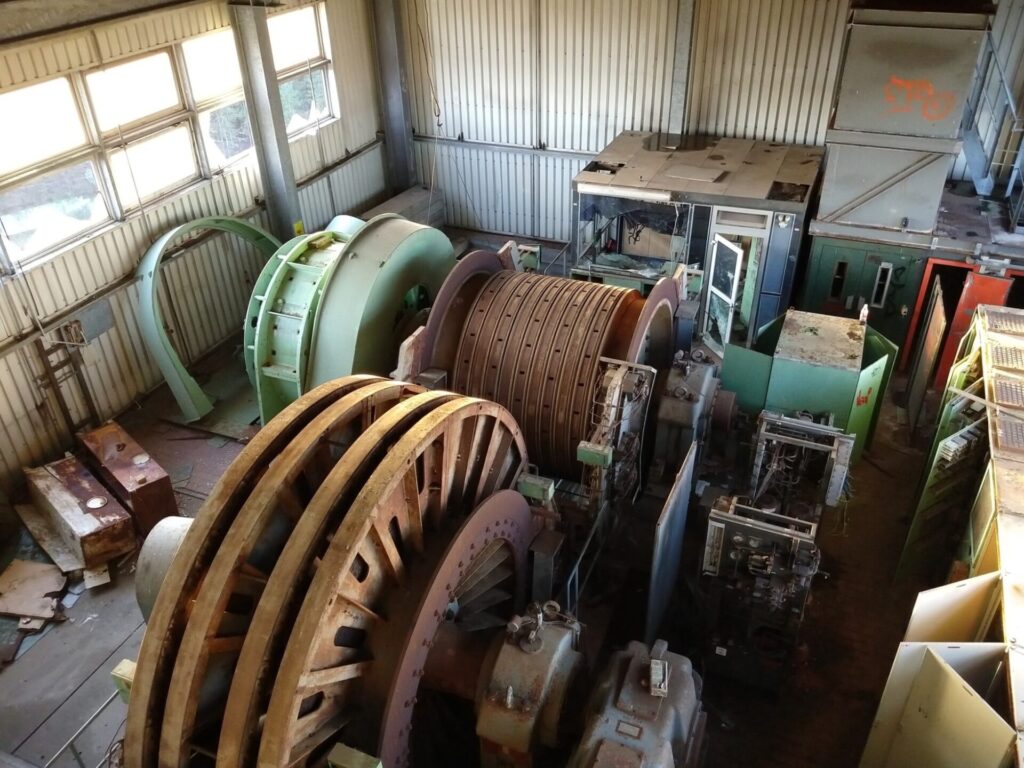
844 275
817 364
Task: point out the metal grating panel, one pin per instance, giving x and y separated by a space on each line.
1011 358
1009 392
1005 322
1010 432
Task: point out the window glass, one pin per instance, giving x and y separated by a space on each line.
51 208
152 166
294 38
125 93
304 100
882 280
212 64
38 122
226 132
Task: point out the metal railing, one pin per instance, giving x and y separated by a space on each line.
993 129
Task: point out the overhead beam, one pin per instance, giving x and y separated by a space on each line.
394 95
266 117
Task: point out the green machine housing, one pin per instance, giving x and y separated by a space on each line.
845 275
819 364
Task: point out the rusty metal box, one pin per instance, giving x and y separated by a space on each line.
132 474
83 512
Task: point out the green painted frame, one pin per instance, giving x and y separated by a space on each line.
194 403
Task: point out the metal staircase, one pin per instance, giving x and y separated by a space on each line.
993 129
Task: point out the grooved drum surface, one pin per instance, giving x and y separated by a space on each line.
533 343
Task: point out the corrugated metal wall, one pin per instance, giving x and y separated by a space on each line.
209 283
524 77
765 69
571 74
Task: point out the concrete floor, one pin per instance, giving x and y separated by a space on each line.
821 718
852 627
58 683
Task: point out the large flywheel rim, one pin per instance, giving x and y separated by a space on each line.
208 647
481 450
160 642
318 524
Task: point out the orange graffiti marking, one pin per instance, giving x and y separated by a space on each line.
910 95
864 399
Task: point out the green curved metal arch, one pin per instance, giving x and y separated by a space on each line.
190 397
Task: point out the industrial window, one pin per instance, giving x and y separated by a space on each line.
85 150
51 208
212 64
147 168
883 278
838 280
39 122
136 91
295 38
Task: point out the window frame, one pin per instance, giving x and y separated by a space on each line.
99 144
883 279
306 69
139 125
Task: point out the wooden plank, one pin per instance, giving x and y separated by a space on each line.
27 589
49 539
96 577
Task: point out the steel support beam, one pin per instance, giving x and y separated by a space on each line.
681 68
263 102
395 95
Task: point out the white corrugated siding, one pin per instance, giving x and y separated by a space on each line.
530 75
561 74
208 285
606 67
765 69
507 191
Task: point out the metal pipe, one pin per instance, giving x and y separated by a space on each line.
69 744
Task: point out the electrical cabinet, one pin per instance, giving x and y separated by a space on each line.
844 276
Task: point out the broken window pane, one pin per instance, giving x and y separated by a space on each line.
304 100
51 209
226 133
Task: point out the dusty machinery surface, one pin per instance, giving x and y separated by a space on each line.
358 581
340 301
590 373
760 553
326 304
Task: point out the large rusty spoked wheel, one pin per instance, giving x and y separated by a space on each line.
250 559
280 601
335 666
166 622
